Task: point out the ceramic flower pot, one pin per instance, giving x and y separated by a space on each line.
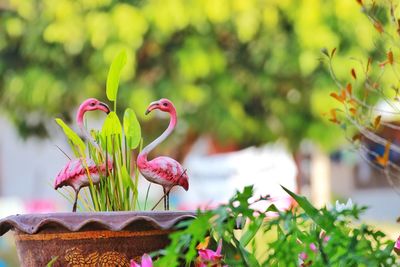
90 239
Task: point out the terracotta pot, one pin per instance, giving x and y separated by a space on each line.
90 239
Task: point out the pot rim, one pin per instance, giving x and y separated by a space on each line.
76 221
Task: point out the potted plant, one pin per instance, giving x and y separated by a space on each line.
115 228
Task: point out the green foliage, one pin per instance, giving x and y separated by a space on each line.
277 238
366 100
112 126
52 262
114 75
323 220
132 129
77 145
247 69
116 191
221 223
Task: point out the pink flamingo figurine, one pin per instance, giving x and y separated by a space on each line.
164 171
74 174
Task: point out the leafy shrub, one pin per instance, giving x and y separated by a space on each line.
303 235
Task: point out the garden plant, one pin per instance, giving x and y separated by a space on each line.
104 172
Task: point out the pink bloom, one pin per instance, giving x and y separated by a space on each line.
313 247
397 246
208 257
303 256
146 262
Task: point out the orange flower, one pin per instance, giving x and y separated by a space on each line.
384 159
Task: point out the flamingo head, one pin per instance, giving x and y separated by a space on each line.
163 104
94 104
90 105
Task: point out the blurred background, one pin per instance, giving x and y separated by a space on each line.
246 77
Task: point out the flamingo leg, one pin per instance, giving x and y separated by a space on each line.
165 198
75 201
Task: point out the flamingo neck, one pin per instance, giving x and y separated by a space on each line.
88 136
162 137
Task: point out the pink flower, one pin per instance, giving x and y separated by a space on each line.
397 246
146 262
208 257
303 256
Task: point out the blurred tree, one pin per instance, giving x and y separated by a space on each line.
244 72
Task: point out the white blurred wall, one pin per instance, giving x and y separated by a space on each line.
215 178
27 170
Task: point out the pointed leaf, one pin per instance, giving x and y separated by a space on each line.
325 222
52 261
272 208
126 178
114 75
377 122
112 125
72 136
251 232
324 51
333 116
353 74
333 52
349 89
369 64
390 57
132 129
378 26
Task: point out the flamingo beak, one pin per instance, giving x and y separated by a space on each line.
152 106
105 107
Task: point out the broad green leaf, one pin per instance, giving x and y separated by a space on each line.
325 222
72 136
114 74
112 125
132 129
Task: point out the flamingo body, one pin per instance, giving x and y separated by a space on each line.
74 174
164 171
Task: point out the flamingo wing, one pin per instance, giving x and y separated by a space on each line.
72 170
164 171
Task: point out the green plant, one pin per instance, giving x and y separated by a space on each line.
116 191
367 100
327 237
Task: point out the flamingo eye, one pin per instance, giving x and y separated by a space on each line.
92 104
165 104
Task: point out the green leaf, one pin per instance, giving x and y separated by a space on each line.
272 208
126 179
324 51
112 125
52 261
132 129
72 136
114 74
251 232
248 258
325 222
